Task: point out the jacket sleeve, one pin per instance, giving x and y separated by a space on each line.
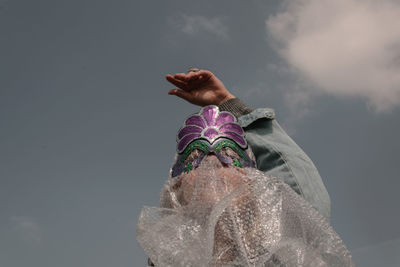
278 155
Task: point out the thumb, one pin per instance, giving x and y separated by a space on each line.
181 93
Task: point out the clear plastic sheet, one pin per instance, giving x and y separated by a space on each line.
227 216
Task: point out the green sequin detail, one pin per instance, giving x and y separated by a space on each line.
228 143
188 167
237 163
196 144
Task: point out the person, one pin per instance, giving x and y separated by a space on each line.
218 209
276 153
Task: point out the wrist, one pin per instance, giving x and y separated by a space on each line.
229 96
235 106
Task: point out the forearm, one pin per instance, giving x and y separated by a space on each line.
236 107
278 155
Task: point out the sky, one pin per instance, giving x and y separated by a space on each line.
88 130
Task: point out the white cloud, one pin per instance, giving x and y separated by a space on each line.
196 25
27 227
343 47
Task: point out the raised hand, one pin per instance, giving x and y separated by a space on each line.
200 88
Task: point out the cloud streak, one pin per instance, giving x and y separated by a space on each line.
201 25
343 47
27 227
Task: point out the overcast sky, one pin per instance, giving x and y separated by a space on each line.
87 130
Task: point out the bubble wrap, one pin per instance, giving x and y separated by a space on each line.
226 216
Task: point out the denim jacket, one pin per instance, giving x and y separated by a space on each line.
279 156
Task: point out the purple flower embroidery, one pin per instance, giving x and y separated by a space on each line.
210 124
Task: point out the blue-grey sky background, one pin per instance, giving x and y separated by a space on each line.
87 130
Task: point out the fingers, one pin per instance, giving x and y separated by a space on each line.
186 81
178 83
183 81
180 76
181 93
205 74
192 77
199 76
185 77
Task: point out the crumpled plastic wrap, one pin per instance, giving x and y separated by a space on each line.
227 216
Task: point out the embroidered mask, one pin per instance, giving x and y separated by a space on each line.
211 132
